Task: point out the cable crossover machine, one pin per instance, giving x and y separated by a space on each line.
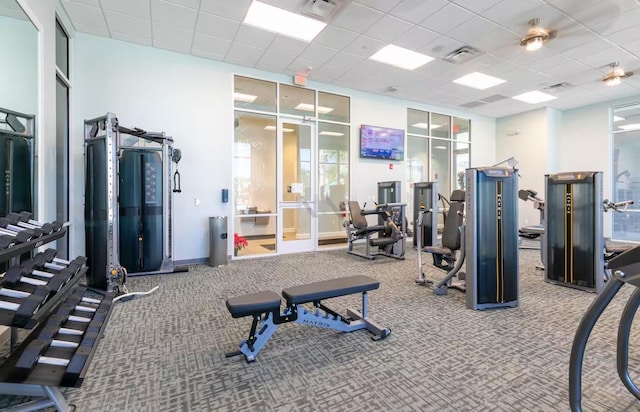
128 202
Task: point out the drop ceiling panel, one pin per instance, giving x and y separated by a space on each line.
172 15
93 3
86 15
210 44
288 45
133 8
632 46
98 31
628 34
598 13
548 62
382 5
572 6
128 25
254 36
207 55
572 38
145 41
217 26
244 54
447 18
415 38
230 9
365 46
440 47
472 29
346 61
509 11
357 17
172 38
327 73
415 11
621 22
496 40
388 29
336 37
275 60
300 65
192 4
607 56
318 53
476 6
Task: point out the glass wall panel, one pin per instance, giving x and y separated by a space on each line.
440 165
440 126
259 232
254 178
254 94
417 167
461 129
417 122
62 50
461 163
333 107
296 161
297 101
62 162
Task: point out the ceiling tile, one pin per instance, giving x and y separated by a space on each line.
345 60
289 5
496 40
382 5
388 29
216 26
172 15
98 31
12 11
209 44
472 29
300 65
365 46
632 46
571 38
93 3
415 11
254 36
132 8
587 49
623 21
128 24
288 45
207 55
628 34
440 46
172 38
549 17
234 10
572 6
173 46
606 57
318 53
446 18
416 38
476 6
335 37
326 73
145 41
357 17
597 13
509 11
192 4
274 61
86 15
552 60
244 54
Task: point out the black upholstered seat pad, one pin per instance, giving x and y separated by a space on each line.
253 304
437 250
326 289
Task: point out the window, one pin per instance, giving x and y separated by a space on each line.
298 101
252 94
625 171
333 107
63 85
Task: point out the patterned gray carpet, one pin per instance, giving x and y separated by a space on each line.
165 352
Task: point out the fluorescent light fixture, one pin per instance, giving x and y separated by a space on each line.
534 97
479 80
241 97
440 147
424 126
272 128
628 127
274 19
400 57
331 134
617 118
309 108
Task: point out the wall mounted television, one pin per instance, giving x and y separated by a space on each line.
381 143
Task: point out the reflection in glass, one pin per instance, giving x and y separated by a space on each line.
254 94
259 232
440 125
461 129
440 167
296 162
333 107
62 50
299 101
417 166
296 224
417 122
461 163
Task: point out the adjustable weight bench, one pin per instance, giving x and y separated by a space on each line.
264 307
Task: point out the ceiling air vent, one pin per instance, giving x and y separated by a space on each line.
462 54
323 10
493 98
471 105
558 87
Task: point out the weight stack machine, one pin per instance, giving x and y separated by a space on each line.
491 238
574 240
17 143
128 202
425 197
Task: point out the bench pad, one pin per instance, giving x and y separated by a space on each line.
438 250
326 289
254 304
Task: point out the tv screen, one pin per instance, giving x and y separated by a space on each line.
381 143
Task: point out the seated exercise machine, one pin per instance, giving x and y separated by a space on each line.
391 240
445 256
264 307
611 251
534 231
625 269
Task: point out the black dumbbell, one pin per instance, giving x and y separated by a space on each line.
7 241
20 237
27 217
8 226
49 256
53 281
42 261
19 221
33 355
29 304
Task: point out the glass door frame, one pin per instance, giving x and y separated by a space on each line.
311 205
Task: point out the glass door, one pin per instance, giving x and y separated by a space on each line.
297 225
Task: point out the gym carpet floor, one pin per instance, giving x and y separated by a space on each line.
165 352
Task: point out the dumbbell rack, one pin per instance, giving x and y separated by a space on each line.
43 380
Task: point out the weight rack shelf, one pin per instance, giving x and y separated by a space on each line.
22 248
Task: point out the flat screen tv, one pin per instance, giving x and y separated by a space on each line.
381 143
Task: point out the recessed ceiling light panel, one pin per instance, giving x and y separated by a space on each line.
534 97
243 97
479 80
309 108
401 57
277 20
629 127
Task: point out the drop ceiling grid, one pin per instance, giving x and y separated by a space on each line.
434 27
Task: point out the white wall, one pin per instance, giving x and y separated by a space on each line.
19 69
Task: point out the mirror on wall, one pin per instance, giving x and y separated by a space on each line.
18 106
